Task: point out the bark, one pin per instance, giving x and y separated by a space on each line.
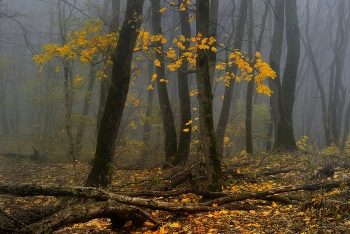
205 98
226 105
118 213
285 131
100 174
102 195
170 144
183 148
275 60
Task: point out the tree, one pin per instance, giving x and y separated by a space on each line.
309 50
250 88
102 168
170 139
183 148
285 131
226 105
205 97
275 60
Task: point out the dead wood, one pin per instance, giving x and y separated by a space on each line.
175 179
173 193
121 208
118 213
275 172
102 195
13 222
273 191
27 216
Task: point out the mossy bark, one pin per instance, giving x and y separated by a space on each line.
205 97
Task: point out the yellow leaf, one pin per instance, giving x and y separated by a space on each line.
149 224
157 63
175 225
163 80
162 230
154 77
185 200
186 130
274 204
162 10
266 213
150 87
252 211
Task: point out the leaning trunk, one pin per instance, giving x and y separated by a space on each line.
102 168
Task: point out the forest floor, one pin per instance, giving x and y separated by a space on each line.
270 216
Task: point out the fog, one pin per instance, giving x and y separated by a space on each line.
32 98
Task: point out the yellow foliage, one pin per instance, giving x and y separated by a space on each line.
157 63
162 10
77 80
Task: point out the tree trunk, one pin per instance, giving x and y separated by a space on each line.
87 102
102 168
213 21
170 139
340 46
105 83
205 97
67 91
309 51
226 105
147 125
346 128
250 88
275 60
285 132
183 148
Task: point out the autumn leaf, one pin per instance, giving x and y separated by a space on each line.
175 225
162 10
157 63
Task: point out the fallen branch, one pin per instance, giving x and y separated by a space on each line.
118 213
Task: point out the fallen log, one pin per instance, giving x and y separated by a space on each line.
118 213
